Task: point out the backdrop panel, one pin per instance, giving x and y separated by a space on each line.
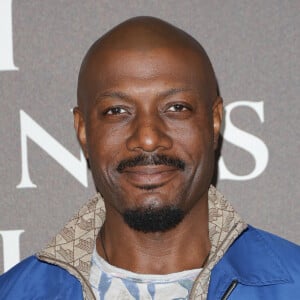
254 47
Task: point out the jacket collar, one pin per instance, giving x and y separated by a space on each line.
72 248
225 225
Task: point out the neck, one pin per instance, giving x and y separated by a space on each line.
183 248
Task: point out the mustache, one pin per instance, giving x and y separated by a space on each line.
148 160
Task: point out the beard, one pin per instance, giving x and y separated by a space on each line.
153 219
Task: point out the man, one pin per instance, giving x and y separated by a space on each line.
148 120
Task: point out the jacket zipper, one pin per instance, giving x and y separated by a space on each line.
229 290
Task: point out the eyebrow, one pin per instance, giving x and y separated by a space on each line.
173 91
122 95
112 94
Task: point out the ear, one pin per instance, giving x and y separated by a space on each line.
79 126
217 119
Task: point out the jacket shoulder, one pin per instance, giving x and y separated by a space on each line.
283 252
264 265
285 249
32 278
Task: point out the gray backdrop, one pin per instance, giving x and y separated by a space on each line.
254 47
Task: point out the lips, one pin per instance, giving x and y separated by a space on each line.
151 175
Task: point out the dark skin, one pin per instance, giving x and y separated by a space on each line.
147 87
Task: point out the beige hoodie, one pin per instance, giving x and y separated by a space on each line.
72 248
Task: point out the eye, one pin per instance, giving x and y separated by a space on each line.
115 111
177 108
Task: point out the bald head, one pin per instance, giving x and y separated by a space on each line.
145 33
140 35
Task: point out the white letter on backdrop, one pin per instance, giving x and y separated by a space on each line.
31 129
252 144
6 34
11 247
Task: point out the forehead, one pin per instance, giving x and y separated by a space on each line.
131 69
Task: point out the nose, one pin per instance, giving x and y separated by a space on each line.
149 134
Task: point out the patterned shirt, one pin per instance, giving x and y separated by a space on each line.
110 282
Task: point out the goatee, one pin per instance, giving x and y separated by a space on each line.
153 219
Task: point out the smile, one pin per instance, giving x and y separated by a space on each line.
151 176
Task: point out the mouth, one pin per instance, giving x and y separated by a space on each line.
151 176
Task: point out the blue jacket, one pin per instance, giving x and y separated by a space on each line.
258 265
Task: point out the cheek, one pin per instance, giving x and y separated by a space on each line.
103 162
103 141
196 141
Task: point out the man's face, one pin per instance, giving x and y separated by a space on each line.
149 128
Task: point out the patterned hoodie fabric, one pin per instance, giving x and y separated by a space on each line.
72 248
